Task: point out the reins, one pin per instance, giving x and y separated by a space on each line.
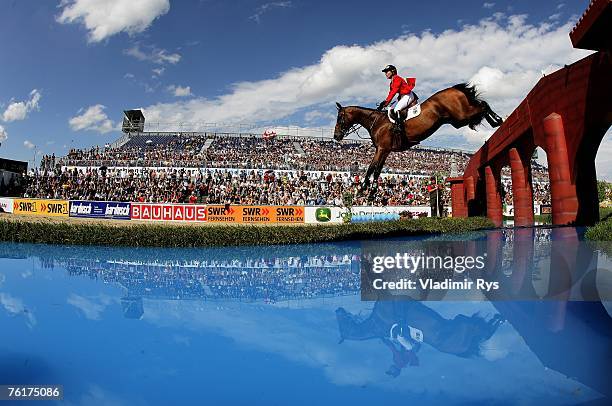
355 127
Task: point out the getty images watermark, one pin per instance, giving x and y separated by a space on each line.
412 265
491 267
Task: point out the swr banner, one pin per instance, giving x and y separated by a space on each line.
40 207
255 214
168 212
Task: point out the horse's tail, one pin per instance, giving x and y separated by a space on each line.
473 96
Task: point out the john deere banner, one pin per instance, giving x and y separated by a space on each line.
6 205
40 207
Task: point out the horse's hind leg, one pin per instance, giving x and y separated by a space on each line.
380 164
492 118
371 167
375 166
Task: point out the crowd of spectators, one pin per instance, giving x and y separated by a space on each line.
541 191
254 152
241 186
180 151
214 169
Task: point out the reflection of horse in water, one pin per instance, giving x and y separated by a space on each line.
461 336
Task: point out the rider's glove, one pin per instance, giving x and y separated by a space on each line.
382 105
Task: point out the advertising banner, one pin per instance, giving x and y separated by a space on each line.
104 210
255 214
325 215
334 215
40 207
168 212
509 209
6 205
371 210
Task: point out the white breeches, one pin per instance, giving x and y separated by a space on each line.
403 102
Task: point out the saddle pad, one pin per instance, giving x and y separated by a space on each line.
413 111
416 334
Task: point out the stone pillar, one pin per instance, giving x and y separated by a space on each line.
494 203
470 188
563 192
458 197
522 191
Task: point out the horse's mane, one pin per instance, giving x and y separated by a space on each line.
470 92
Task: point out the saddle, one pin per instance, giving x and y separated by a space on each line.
402 114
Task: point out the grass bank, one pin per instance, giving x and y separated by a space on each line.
601 233
172 235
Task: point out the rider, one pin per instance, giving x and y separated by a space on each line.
403 88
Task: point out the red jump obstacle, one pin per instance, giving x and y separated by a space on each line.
567 114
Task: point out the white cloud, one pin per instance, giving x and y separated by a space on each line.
15 307
129 76
504 54
180 91
3 134
90 309
93 119
29 144
603 163
261 10
105 18
152 54
158 72
318 115
488 5
17 111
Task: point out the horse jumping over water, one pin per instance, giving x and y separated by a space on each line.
458 106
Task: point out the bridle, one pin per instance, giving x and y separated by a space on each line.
355 127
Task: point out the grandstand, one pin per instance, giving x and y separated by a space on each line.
245 168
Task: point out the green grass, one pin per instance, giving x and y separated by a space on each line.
155 235
601 233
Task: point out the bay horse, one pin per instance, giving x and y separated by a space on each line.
458 106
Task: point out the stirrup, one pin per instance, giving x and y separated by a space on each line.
398 127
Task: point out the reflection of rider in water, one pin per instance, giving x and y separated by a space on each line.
403 347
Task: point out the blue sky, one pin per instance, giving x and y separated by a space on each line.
70 68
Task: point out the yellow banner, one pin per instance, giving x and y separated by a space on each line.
38 207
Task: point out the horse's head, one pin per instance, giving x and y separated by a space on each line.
342 123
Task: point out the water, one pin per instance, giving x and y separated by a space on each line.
263 325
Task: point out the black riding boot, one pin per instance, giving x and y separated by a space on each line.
398 127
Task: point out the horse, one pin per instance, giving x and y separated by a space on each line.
458 106
461 336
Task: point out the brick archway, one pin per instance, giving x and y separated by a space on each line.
567 114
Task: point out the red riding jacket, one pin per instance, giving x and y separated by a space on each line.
401 86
